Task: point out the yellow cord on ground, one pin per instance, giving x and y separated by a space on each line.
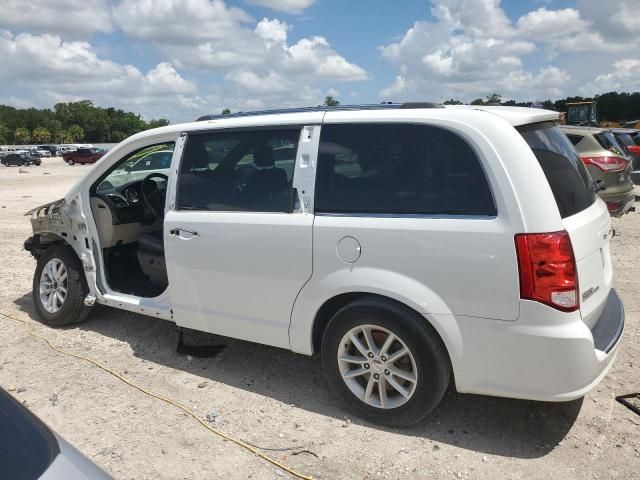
164 399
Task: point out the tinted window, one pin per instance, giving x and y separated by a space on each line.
154 161
399 169
625 139
608 141
574 139
27 446
242 170
568 178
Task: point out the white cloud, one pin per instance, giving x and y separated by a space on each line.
543 24
74 18
471 48
616 20
54 70
480 18
288 6
624 75
225 41
178 22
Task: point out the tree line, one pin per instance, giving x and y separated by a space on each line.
612 106
69 123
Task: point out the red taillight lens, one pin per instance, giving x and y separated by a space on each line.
548 269
607 164
634 148
613 206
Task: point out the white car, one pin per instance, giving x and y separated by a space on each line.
411 246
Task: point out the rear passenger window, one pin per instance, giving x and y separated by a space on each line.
238 171
399 169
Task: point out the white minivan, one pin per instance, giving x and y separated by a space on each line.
412 246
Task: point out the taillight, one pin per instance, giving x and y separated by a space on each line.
547 269
634 148
607 164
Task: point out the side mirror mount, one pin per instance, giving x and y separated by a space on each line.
127 168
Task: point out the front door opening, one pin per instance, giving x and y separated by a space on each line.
128 208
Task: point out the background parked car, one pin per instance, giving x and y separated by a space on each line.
23 158
39 152
30 450
627 138
608 161
52 149
83 155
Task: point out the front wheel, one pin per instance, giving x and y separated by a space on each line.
59 287
385 362
70 161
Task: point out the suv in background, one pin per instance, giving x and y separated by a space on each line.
409 245
607 160
52 149
630 139
24 158
83 155
39 152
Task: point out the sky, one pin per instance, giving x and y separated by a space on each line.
179 59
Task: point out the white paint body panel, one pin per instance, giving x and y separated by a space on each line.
264 276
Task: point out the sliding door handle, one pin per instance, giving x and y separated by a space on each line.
177 232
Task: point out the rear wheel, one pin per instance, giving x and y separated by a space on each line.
70 161
59 287
25 163
385 362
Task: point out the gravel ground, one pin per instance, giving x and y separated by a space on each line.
279 400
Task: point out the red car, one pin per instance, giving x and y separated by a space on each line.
83 155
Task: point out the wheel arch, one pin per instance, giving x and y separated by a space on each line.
444 327
41 241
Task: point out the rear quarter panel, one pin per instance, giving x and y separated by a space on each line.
443 267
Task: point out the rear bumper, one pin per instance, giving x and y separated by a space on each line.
618 205
544 355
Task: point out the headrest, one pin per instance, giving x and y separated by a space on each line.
197 154
263 156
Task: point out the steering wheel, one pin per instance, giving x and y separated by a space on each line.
152 195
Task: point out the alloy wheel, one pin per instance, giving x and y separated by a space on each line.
53 285
377 366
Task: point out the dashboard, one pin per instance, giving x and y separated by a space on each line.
125 201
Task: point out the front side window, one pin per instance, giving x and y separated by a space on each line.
247 170
160 160
134 167
399 169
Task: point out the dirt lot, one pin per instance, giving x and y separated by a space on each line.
279 400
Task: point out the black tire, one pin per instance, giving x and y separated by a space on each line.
73 309
25 163
70 161
431 358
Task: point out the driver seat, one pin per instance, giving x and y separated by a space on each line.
151 257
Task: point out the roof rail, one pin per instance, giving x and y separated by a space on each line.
410 105
324 108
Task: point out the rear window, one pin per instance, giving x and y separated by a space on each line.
568 178
608 141
625 139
